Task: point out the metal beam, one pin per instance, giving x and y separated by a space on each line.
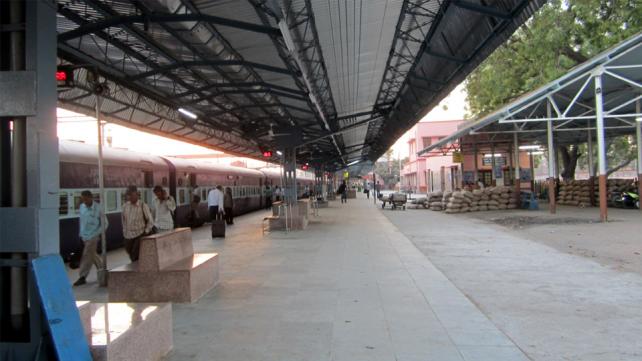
481 9
187 64
117 21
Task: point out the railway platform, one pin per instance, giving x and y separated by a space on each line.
350 287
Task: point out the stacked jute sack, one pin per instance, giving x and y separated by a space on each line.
488 199
576 193
620 185
434 201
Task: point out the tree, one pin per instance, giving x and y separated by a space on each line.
560 35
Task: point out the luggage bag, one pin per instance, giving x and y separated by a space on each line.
218 228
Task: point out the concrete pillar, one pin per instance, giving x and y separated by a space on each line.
601 147
638 137
29 167
289 176
551 160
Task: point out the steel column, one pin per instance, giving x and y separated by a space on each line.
591 167
601 146
516 166
551 160
638 138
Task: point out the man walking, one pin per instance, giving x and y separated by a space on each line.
164 208
137 222
215 201
90 232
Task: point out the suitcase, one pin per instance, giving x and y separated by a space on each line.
218 228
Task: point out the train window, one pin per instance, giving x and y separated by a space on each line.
63 209
111 200
77 202
123 197
145 196
204 195
96 197
181 196
180 182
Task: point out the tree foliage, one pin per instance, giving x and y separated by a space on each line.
561 35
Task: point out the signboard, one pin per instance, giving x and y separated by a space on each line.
525 174
498 161
458 157
346 175
499 171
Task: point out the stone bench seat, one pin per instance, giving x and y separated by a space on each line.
168 270
127 331
184 281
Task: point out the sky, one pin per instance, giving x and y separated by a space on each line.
78 127
453 107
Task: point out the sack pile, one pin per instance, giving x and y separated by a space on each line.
576 193
488 199
434 201
459 202
619 185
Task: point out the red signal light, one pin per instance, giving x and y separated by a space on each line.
65 76
267 153
305 167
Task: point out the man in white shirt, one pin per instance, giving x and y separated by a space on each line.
164 208
215 199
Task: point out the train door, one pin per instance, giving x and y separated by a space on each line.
146 192
261 194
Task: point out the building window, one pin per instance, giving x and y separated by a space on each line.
63 209
426 141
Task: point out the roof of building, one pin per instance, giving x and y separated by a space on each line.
339 80
569 102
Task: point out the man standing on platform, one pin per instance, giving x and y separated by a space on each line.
90 231
137 222
164 208
215 201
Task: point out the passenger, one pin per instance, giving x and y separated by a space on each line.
366 190
228 205
215 203
164 209
90 234
268 197
194 218
277 193
343 191
137 222
378 190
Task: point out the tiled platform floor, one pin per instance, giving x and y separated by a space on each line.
351 287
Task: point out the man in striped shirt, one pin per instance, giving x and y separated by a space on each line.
137 222
164 208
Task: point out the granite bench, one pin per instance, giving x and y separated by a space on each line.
127 331
168 270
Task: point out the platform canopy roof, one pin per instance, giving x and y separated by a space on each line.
569 102
340 80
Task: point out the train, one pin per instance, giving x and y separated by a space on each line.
182 178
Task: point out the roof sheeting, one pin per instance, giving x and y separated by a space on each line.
569 102
380 63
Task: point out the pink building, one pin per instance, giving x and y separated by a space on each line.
440 170
430 173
